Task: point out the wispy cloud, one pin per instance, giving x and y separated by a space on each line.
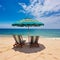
47 11
42 8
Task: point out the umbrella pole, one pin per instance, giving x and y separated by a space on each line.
28 33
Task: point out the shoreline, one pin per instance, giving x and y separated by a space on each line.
27 36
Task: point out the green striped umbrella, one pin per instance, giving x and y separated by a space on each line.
28 23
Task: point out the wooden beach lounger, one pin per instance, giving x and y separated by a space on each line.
34 42
31 41
18 41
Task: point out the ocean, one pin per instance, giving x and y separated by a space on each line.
31 32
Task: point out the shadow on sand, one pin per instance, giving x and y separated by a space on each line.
27 49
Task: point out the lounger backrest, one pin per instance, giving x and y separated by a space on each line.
32 38
16 38
36 39
20 38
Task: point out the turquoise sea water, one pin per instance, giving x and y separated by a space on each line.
34 32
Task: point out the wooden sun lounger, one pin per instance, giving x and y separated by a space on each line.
18 41
34 42
22 42
31 41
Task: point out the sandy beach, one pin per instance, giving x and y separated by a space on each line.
49 49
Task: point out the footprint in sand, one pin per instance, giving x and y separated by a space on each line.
53 57
0 51
42 53
56 58
49 53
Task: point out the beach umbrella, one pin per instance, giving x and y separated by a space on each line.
28 23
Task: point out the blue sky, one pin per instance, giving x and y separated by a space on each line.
46 11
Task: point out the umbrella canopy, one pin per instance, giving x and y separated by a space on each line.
27 22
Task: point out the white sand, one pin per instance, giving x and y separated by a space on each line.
49 50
